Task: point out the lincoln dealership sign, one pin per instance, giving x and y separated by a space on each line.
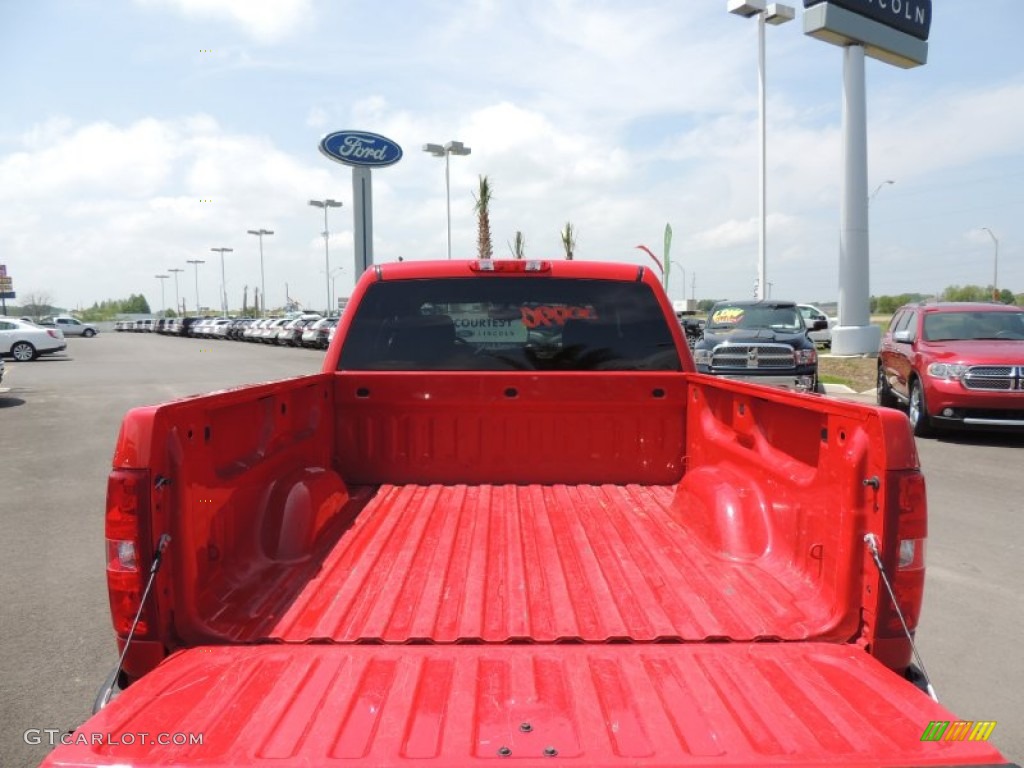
913 17
893 31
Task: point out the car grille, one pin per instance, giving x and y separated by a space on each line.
752 357
995 378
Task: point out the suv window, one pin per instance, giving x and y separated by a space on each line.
509 323
953 326
907 323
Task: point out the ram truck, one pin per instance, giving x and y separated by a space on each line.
763 341
509 521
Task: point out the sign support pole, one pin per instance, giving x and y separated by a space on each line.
362 217
854 333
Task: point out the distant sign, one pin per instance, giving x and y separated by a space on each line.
8 295
6 283
914 17
360 148
3 270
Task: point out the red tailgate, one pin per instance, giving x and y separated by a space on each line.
460 705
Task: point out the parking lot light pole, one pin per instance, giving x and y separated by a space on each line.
163 302
325 204
263 283
177 298
196 263
995 265
446 151
223 283
774 14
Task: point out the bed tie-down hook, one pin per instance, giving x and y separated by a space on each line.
103 698
871 541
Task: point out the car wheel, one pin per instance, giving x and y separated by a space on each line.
918 411
23 352
884 394
89 333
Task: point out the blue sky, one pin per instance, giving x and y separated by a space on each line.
617 116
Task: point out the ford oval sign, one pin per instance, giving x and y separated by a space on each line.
360 148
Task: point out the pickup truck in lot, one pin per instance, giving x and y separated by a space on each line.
765 341
507 520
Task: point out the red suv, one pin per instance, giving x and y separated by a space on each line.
954 365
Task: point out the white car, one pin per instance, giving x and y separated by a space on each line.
811 314
26 341
71 326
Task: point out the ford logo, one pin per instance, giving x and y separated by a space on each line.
360 148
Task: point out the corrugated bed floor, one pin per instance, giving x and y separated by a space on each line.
541 563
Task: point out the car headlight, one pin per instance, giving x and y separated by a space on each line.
702 356
806 356
947 371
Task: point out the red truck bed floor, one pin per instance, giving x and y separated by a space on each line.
542 563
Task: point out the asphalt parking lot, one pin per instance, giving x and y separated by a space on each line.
59 418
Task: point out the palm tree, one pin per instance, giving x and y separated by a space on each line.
518 246
569 240
483 218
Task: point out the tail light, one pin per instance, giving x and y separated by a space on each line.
904 561
54 334
127 560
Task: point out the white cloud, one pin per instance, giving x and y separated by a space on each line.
266 21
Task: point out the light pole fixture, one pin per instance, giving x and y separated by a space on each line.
263 283
163 302
177 298
223 284
879 189
446 151
774 14
196 263
325 204
995 266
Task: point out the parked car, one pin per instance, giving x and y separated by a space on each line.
692 322
764 342
218 329
238 327
315 335
291 332
954 365
812 319
251 333
268 334
71 326
198 329
26 341
186 325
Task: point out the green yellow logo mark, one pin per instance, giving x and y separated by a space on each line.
958 730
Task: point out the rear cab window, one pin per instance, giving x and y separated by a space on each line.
509 323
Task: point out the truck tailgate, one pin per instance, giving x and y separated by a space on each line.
460 705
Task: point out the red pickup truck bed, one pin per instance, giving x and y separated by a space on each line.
544 563
442 567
